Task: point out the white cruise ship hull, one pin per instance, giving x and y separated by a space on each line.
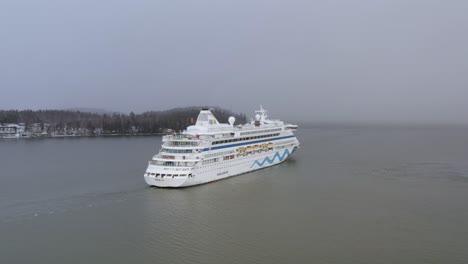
221 170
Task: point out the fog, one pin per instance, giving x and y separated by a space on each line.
326 61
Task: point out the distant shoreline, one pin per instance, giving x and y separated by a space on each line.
87 136
61 123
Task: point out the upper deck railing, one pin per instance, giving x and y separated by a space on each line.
183 141
176 137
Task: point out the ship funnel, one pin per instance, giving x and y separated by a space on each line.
206 118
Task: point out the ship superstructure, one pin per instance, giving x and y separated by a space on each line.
210 151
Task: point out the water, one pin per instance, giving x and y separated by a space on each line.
349 195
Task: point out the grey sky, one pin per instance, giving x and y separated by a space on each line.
366 60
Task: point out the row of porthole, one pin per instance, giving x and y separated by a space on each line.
238 156
167 175
224 167
228 166
246 162
221 168
217 163
222 163
244 139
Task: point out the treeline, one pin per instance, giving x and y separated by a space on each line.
148 122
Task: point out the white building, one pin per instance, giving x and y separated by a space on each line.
12 130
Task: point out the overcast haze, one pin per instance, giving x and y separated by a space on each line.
367 60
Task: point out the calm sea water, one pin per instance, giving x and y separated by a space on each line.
349 195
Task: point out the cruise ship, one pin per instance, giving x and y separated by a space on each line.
209 151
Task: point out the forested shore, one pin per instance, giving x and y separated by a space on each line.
66 122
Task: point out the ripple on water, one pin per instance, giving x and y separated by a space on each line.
425 171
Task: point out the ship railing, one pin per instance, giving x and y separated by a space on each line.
188 144
171 163
175 137
173 143
182 137
178 158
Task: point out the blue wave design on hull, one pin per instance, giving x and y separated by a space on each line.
272 160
